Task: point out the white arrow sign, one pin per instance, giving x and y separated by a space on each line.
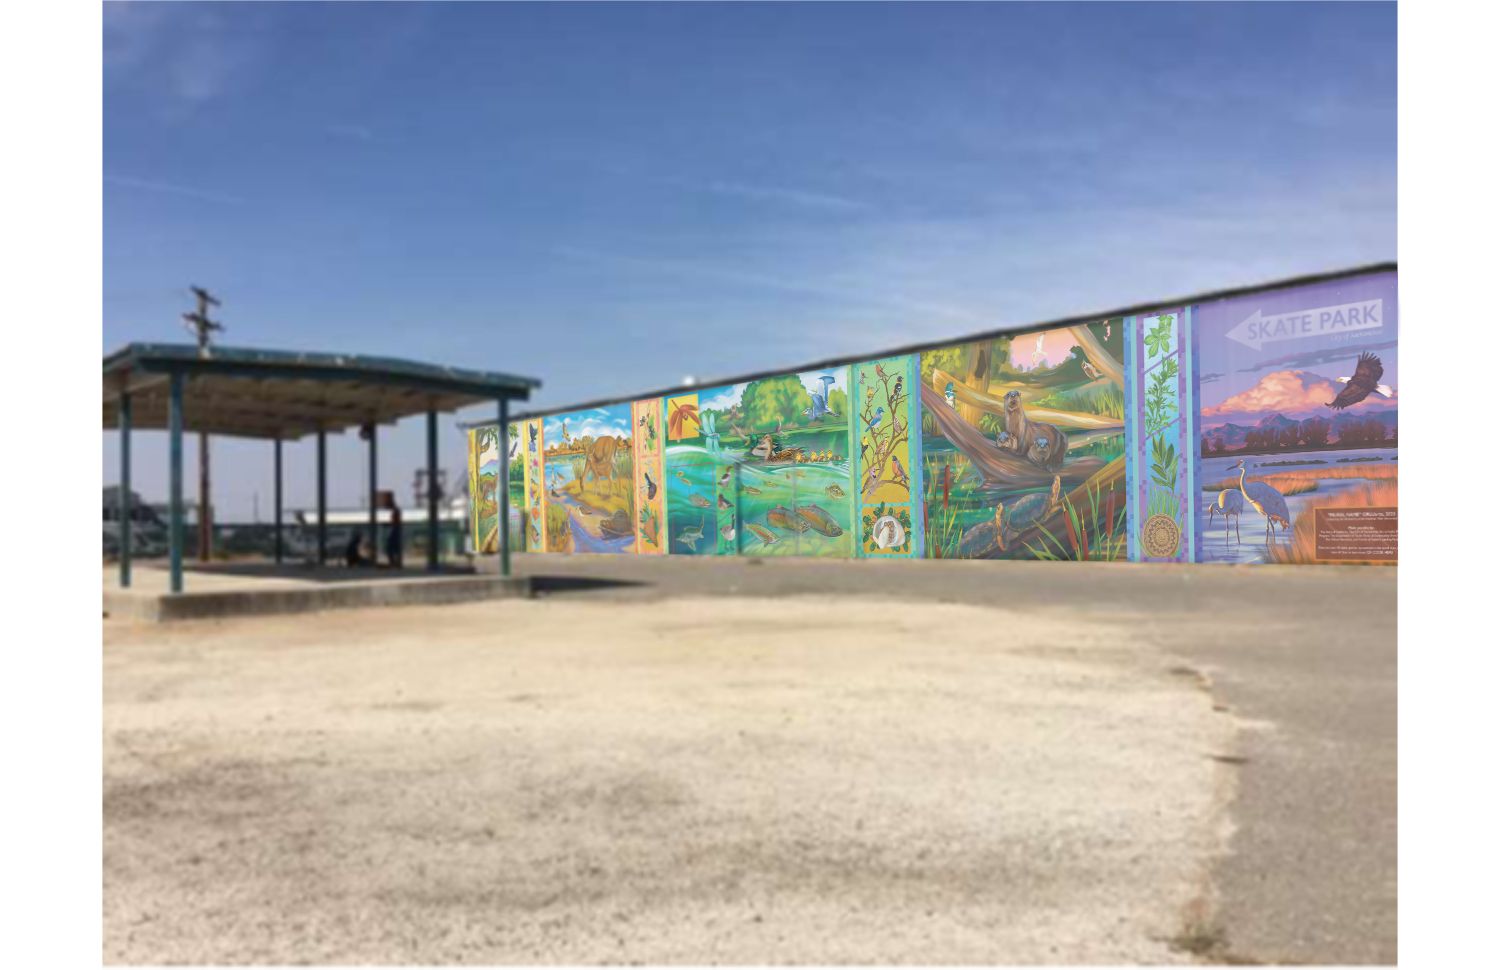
1256 329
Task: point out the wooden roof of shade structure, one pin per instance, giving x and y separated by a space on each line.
253 393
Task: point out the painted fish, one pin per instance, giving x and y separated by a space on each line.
834 491
681 477
724 503
699 500
690 537
650 486
785 519
818 517
761 532
749 489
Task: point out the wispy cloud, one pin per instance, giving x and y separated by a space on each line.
787 196
187 54
171 188
692 269
1343 353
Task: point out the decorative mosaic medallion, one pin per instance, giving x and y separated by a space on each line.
1160 536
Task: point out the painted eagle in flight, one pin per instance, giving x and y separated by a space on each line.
1367 373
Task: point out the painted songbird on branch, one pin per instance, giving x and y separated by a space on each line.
899 472
874 421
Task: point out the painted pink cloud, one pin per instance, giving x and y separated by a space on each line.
1293 393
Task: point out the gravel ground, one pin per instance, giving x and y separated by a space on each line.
689 780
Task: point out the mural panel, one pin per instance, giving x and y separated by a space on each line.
484 503
589 479
775 451
1159 440
650 485
515 477
692 454
1023 446
887 412
536 497
1297 424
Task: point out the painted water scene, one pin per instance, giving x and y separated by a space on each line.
484 473
761 468
1298 404
589 481
1023 446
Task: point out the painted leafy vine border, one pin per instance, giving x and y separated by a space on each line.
1161 413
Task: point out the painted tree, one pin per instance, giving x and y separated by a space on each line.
880 438
774 402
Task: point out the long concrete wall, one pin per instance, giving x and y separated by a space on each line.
1256 426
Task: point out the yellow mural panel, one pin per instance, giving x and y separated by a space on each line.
651 493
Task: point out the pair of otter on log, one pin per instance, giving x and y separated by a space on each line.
1038 442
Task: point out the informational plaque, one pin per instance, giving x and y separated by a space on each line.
1356 534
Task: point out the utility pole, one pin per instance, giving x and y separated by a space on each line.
203 328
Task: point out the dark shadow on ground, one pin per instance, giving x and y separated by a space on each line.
329 573
549 585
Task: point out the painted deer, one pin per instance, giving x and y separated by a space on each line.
599 460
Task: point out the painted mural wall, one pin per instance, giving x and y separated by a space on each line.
1257 428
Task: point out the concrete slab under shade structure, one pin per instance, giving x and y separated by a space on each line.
266 588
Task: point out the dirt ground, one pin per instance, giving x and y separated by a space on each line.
693 780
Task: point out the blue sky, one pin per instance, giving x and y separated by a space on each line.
611 197
595 422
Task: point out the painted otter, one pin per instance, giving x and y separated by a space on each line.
1038 442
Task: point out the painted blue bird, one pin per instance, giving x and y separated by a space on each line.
874 421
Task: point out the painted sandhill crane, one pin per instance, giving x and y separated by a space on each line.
1230 502
1265 500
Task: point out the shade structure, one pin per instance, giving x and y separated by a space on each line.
282 395
272 394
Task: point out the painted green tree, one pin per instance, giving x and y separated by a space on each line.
774 401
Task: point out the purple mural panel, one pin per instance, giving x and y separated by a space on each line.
1298 393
